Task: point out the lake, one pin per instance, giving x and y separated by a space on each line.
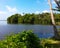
42 31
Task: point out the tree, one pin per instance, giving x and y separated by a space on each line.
58 5
53 21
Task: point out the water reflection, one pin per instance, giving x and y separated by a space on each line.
43 31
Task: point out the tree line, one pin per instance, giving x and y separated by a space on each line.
28 18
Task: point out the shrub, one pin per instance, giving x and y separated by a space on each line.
25 39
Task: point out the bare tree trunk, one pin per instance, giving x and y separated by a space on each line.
53 21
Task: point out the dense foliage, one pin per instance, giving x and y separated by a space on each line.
43 18
26 39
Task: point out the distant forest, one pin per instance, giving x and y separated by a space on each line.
28 18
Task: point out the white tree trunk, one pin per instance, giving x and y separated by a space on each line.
53 21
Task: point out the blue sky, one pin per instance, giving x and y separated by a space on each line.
9 7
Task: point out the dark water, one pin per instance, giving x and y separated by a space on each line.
43 31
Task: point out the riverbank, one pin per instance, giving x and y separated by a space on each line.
43 19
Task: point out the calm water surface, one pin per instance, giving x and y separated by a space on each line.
42 31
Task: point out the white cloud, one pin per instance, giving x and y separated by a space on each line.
45 11
4 15
3 12
10 9
37 12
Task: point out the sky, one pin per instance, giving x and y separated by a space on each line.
10 7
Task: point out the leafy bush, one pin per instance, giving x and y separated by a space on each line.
25 39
